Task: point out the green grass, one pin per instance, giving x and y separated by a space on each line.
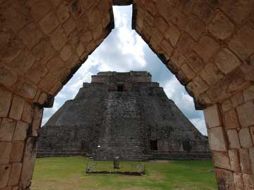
107 166
68 173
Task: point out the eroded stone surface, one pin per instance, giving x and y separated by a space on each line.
217 139
114 116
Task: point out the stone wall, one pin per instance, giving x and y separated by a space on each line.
209 46
42 43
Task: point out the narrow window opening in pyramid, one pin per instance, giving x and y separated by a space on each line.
154 144
120 87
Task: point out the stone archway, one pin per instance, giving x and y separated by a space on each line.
209 45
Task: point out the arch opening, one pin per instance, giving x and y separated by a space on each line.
160 73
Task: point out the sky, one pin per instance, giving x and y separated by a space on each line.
124 50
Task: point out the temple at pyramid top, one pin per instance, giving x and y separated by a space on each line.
115 77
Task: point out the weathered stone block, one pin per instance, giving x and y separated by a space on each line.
162 24
237 10
58 38
10 45
33 38
15 174
206 48
69 26
185 44
156 38
226 61
27 113
63 12
245 161
226 105
7 128
237 99
194 61
28 162
43 51
194 26
177 60
252 133
233 139
5 148
211 74
42 98
49 23
36 121
248 181
173 34
163 6
16 19
216 139
66 52
238 181
23 62
7 76
15 188
188 72
167 49
212 116
230 119
221 27
55 2
17 107
57 87
234 160
245 138
225 179
197 86
48 82
5 101
39 8
203 10
20 131
242 43
55 65
221 160
81 51
245 114
4 175
27 89
17 151
251 152
36 72
248 94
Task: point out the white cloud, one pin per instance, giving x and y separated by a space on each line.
124 50
199 123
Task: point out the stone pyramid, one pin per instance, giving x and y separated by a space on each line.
125 115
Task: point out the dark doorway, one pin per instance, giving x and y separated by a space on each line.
120 87
153 145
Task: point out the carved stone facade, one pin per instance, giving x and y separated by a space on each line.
209 45
125 115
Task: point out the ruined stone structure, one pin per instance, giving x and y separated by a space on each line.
125 115
207 44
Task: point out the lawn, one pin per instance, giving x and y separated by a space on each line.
68 173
